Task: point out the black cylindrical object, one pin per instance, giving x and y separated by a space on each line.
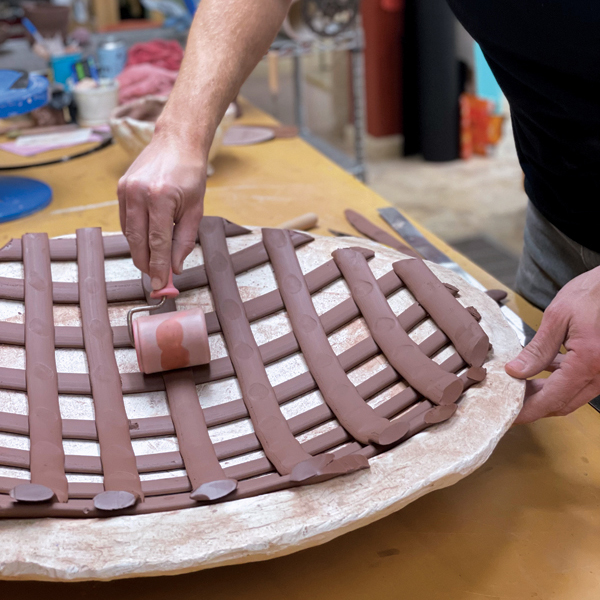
437 80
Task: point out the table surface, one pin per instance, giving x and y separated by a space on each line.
525 525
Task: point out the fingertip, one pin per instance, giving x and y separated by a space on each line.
515 367
178 268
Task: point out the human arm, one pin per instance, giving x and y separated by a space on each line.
165 185
572 319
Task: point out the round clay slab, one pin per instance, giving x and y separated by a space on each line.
274 524
239 135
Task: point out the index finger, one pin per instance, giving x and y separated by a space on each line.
160 235
122 197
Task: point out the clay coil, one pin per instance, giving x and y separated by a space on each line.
337 390
115 246
401 351
278 443
459 324
116 453
131 290
47 457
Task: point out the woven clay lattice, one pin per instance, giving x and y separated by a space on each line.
275 449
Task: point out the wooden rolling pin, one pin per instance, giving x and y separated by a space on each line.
303 222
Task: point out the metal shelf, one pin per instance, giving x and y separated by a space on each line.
351 40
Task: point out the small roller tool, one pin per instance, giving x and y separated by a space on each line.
168 340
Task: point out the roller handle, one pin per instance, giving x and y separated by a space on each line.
303 222
169 291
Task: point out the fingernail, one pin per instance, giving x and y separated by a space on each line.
517 364
156 283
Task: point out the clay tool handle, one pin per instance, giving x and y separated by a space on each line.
279 131
303 222
273 67
370 230
169 291
283 132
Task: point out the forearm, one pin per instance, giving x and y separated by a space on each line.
226 41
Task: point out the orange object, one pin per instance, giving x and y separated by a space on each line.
479 127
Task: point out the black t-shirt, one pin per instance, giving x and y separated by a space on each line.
545 55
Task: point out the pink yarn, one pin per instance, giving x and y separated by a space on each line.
136 81
167 54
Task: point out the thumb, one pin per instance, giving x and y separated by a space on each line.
541 350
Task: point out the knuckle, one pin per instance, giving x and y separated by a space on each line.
186 244
556 406
587 352
132 184
158 240
555 312
158 264
593 357
535 349
157 191
135 238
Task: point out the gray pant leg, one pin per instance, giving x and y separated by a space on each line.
549 261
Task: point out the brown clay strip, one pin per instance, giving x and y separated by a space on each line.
65 336
271 302
45 427
421 416
449 314
364 226
278 443
244 260
229 411
298 424
118 459
131 290
337 390
256 308
402 352
206 475
115 246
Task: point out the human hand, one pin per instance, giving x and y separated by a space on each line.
572 319
164 185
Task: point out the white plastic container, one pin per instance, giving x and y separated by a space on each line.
94 105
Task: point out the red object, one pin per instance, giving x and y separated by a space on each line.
383 23
167 54
137 81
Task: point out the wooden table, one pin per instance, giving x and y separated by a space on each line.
526 525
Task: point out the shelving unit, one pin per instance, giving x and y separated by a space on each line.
351 40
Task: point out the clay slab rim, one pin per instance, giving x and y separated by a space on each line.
282 522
